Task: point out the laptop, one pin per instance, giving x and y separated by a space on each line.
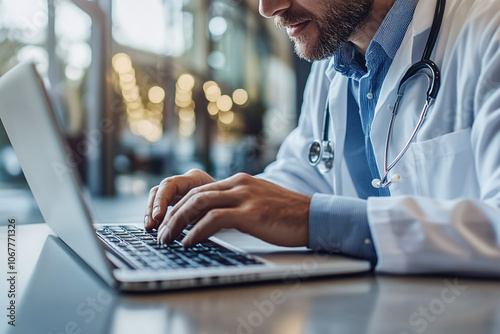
127 257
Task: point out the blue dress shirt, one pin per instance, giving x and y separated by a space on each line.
340 224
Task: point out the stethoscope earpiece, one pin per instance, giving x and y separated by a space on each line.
396 178
377 183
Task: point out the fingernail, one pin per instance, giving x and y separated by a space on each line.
146 221
156 211
160 230
186 242
166 234
163 235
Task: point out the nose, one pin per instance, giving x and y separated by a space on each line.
270 8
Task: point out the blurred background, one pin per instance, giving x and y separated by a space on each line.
148 89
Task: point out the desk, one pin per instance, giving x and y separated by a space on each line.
58 294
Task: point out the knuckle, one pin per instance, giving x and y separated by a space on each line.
244 192
242 177
193 171
193 192
199 200
214 216
166 181
153 190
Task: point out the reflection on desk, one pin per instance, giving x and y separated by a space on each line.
64 296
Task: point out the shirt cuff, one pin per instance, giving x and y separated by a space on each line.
339 224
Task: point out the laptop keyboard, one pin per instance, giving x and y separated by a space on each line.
140 250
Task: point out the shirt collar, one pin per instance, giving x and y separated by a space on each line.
389 37
392 30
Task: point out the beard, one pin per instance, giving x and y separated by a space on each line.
339 21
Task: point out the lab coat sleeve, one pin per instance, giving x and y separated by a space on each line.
421 234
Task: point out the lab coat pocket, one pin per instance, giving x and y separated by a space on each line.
444 166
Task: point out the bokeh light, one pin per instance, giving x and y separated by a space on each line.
213 93
224 103
186 82
122 63
226 117
156 94
240 96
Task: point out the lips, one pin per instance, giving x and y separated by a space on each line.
294 30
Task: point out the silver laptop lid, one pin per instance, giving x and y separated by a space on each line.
30 123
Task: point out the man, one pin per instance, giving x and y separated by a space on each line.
444 215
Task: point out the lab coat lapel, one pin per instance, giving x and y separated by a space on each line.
338 108
408 53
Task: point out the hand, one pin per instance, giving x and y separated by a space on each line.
169 192
248 204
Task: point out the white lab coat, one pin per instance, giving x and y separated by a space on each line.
445 214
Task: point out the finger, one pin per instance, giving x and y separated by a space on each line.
215 186
191 211
211 223
149 223
231 182
171 190
194 209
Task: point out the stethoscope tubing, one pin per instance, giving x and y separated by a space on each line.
435 80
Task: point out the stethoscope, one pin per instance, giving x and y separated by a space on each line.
321 153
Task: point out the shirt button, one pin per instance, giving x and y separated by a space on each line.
367 241
369 96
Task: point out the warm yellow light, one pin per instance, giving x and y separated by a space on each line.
183 99
155 107
156 94
240 96
187 115
212 108
212 93
131 95
134 105
224 103
127 86
154 135
183 104
184 96
186 129
133 127
208 84
135 113
186 82
122 63
149 130
226 117
127 77
144 127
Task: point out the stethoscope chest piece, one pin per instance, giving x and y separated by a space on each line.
321 154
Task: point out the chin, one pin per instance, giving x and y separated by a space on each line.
310 51
309 56
304 52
